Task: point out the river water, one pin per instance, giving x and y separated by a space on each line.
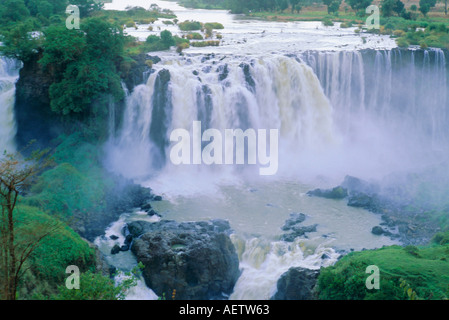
311 82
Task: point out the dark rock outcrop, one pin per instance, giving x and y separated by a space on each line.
123 197
335 193
292 225
34 118
296 284
197 259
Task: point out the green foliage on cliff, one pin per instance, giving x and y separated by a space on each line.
58 250
76 186
92 287
425 269
85 64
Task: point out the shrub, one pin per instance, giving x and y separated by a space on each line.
441 238
399 33
206 43
190 25
194 36
402 43
214 25
182 46
327 22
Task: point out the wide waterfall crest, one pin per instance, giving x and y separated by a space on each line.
275 92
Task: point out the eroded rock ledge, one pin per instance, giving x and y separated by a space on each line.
197 259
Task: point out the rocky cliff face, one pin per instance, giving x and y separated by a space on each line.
34 118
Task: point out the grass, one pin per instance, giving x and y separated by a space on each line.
424 269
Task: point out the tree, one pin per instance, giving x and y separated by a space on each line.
87 62
332 5
19 42
390 6
167 38
294 4
360 5
425 5
398 7
45 8
18 238
13 11
87 6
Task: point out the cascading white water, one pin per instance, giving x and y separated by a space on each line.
355 112
274 92
389 105
8 77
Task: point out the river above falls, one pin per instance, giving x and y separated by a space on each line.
249 36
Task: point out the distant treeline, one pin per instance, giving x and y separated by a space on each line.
239 6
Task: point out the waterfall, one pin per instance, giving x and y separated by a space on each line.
8 77
390 105
276 92
367 113
404 92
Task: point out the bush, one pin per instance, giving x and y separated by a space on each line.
190 25
327 22
399 33
402 43
441 238
209 43
130 24
213 25
182 46
194 36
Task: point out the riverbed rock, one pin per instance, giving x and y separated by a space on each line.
296 230
115 249
197 259
377 230
335 193
295 218
296 284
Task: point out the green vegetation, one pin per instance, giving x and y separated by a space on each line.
190 25
208 43
395 16
94 286
425 269
85 63
213 25
194 36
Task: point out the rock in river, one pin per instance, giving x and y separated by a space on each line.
197 259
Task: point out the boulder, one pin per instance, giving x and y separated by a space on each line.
292 224
296 284
197 259
335 193
377 230
295 218
115 249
